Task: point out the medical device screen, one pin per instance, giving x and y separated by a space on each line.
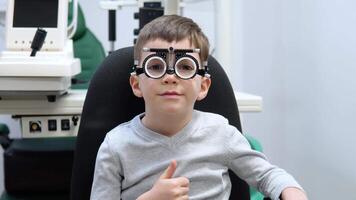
35 13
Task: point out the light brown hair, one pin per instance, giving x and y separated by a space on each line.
173 28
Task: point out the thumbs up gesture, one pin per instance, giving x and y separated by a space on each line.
167 187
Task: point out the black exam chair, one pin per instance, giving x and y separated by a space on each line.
110 101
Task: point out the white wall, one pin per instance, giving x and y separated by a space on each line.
300 57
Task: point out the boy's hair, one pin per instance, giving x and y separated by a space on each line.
173 28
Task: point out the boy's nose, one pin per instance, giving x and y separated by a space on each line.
170 79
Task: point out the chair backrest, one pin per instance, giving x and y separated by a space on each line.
110 101
87 48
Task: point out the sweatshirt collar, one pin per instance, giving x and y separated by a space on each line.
187 130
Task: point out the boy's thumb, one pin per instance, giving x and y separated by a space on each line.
168 173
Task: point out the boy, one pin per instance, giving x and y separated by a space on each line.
172 151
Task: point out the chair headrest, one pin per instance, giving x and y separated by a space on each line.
81 26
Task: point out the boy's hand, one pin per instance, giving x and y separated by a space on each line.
167 187
293 194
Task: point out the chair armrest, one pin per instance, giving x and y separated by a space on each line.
254 143
255 195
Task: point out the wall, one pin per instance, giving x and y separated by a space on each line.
300 56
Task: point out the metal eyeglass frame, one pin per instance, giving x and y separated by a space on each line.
179 54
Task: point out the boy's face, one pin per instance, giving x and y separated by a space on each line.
169 94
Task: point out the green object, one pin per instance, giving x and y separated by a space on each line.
91 54
88 49
255 145
255 195
4 130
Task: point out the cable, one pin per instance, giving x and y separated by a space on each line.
38 41
72 28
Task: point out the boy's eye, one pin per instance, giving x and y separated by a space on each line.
186 65
155 64
155 67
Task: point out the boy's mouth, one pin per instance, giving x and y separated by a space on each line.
170 93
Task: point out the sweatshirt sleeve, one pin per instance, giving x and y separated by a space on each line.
107 179
253 167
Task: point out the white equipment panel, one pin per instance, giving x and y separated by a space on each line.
69 104
49 73
50 126
40 118
24 17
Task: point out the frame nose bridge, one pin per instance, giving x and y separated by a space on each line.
170 60
170 70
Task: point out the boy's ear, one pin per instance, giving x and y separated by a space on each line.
135 85
204 88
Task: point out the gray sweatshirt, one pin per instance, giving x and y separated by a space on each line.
132 157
